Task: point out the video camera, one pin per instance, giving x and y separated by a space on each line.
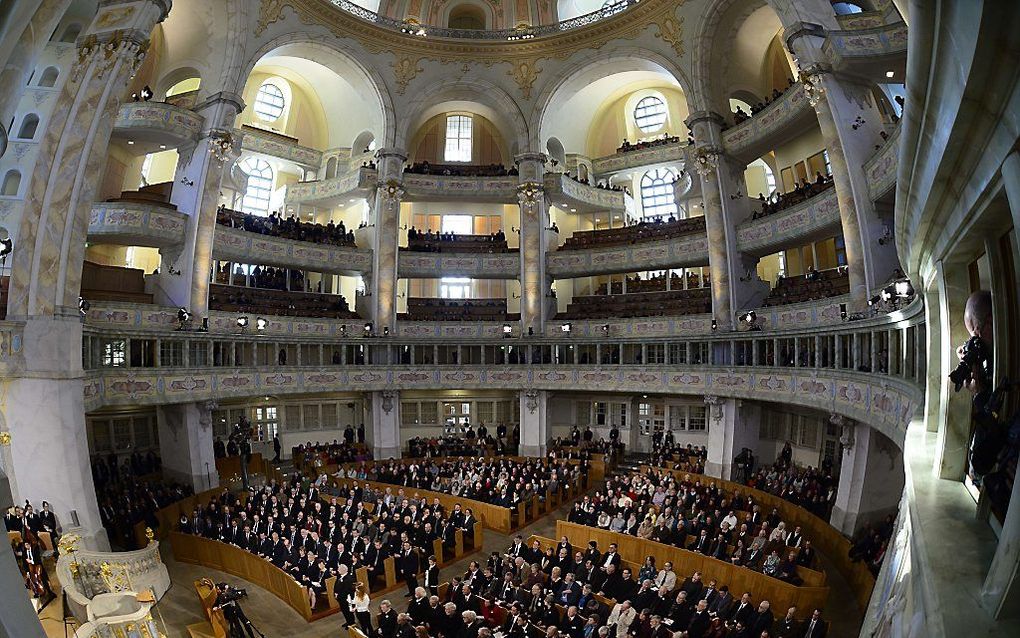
230 594
974 352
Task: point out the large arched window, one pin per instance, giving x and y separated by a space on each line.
260 186
657 193
650 113
269 102
458 139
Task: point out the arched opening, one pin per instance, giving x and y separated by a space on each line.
467 16
48 79
12 183
847 8
29 125
363 143
556 150
71 33
331 168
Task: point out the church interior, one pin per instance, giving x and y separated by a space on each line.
509 318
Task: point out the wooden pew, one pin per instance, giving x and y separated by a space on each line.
238 562
634 550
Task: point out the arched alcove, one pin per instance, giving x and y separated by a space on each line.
331 168
71 33
363 143
466 16
29 126
49 76
12 183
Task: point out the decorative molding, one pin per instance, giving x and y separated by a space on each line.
269 12
405 69
671 31
525 73
531 400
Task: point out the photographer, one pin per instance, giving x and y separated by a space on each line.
227 599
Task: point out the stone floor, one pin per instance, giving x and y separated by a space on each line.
179 607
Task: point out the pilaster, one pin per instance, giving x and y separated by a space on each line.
732 426
186 444
870 486
535 284
534 423
383 236
384 435
185 270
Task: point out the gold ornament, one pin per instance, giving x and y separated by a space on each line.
149 534
5 438
525 73
405 69
672 33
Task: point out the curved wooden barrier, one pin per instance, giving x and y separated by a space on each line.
238 562
824 537
633 550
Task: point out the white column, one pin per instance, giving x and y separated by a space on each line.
45 414
534 423
382 236
384 435
870 478
535 241
732 426
186 444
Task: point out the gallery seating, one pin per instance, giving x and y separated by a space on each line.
641 304
436 309
814 285
644 231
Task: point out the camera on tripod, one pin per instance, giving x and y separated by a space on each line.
974 352
231 594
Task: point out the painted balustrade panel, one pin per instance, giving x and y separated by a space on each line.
232 244
792 105
638 327
672 152
801 222
566 190
491 189
252 139
109 316
680 252
357 182
884 40
138 223
177 123
480 266
881 168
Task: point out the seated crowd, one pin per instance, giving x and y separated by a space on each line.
802 192
586 443
278 302
645 230
26 528
604 185
276 225
127 501
702 518
653 283
296 529
460 170
440 309
497 481
813 488
740 115
427 241
816 284
627 147
667 453
468 442
640 304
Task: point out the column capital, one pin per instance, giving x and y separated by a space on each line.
222 101
391 152
529 157
530 193
704 116
799 30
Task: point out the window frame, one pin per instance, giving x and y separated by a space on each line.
649 113
270 103
462 127
265 185
657 185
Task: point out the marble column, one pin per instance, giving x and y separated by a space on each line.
46 273
870 478
534 422
382 235
19 618
44 411
535 283
384 435
850 123
732 426
185 270
1001 588
186 444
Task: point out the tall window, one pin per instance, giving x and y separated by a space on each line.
657 193
269 102
458 138
260 186
650 113
455 288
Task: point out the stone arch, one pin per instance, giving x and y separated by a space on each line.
464 11
12 183
71 32
331 168
176 76
503 110
49 76
361 142
555 150
365 74
29 127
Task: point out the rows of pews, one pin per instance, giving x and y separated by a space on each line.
640 304
278 302
439 309
627 235
816 285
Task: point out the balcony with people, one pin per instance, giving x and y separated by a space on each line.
654 303
276 225
649 229
442 309
275 291
451 242
812 286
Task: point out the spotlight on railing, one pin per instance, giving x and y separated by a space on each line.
261 324
605 329
83 306
368 329
507 330
715 325
386 331
183 317
242 322
343 330
565 328
904 288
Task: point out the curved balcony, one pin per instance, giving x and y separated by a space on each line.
574 196
868 51
334 191
231 244
157 122
679 252
281 146
478 266
881 168
671 153
780 121
136 224
450 329
431 188
813 219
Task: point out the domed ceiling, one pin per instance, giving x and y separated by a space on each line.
489 14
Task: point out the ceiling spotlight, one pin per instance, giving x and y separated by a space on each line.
261 324
131 142
242 322
162 146
83 306
565 328
904 288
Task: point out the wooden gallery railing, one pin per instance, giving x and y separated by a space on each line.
824 537
633 550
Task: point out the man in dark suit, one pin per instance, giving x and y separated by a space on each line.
721 605
518 548
419 608
743 609
568 592
432 577
815 627
700 621
387 620
762 619
572 623
611 557
515 624
343 588
788 626
407 567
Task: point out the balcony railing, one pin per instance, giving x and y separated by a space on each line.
758 134
421 30
813 218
